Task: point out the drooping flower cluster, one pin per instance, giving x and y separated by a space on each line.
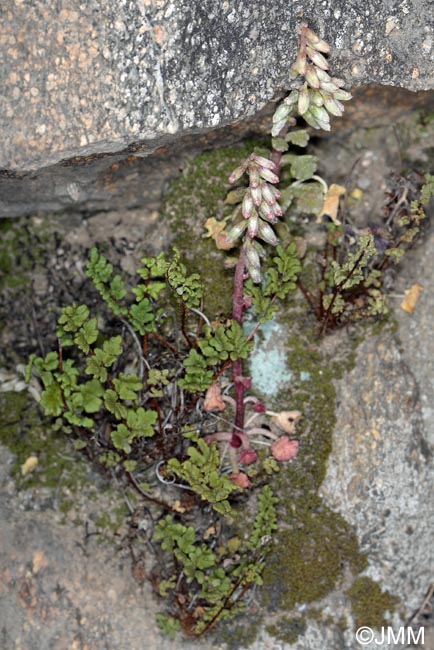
320 95
259 209
282 447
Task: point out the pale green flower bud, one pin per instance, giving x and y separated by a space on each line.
256 195
277 127
292 98
267 234
275 191
320 114
248 206
323 76
332 106
254 176
264 162
316 97
253 257
255 274
261 250
312 77
329 88
342 95
267 194
311 120
317 58
277 210
303 100
269 176
300 64
317 123
238 172
281 113
236 232
316 42
267 213
253 225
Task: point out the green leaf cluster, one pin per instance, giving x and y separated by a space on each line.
68 394
303 187
279 279
201 470
427 191
216 578
265 523
215 347
181 541
188 287
197 375
157 380
74 327
224 343
111 287
350 272
168 625
300 138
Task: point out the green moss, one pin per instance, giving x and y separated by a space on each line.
24 432
239 633
315 547
288 629
191 199
310 558
370 605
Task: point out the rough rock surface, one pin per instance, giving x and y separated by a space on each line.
83 79
59 589
89 77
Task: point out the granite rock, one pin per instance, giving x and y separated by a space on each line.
85 79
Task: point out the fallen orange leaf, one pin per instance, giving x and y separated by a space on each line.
331 203
411 297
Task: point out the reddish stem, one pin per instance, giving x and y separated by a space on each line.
237 314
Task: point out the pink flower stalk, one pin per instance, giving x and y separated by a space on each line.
224 436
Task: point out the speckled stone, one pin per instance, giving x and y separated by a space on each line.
81 78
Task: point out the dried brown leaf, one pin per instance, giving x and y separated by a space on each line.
411 297
331 203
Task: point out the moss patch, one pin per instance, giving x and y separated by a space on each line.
288 629
315 547
197 195
370 605
24 432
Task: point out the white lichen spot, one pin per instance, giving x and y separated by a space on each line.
232 17
392 24
427 44
172 127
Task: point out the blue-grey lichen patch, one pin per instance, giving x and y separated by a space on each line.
268 366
